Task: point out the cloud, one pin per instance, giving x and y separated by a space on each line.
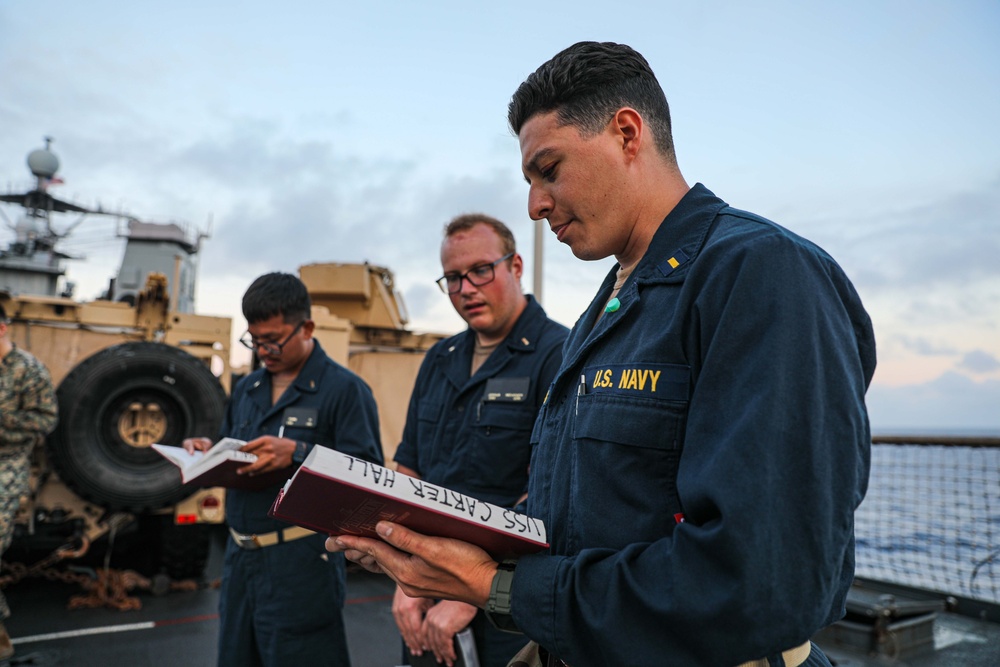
343 138
951 402
929 238
923 346
979 362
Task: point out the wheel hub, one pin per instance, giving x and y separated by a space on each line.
142 424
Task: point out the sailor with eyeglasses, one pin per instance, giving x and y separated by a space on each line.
472 411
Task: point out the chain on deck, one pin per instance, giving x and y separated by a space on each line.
106 587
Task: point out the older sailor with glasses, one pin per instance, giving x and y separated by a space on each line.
282 596
472 410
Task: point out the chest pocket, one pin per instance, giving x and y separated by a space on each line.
636 404
300 424
500 448
508 416
631 422
504 405
429 412
626 450
428 422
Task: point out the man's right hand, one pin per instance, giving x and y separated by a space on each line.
409 614
423 566
192 445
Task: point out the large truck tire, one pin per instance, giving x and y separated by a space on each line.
117 403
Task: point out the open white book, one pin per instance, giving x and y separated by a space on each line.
217 466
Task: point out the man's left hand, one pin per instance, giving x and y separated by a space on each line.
441 623
272 453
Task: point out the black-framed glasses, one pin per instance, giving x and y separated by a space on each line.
479 275
272 349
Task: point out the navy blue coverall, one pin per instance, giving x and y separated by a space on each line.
471 434
702 452
283 604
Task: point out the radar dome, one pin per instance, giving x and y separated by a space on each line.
43 163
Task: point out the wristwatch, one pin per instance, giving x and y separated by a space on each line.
299 455
498 605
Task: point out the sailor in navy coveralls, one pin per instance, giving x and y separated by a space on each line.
473 407
705 442
282 594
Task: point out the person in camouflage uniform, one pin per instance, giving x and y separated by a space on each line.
27 414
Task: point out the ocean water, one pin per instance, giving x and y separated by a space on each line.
931 519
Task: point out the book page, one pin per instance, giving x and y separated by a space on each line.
209 461
225 445
178 455
226 448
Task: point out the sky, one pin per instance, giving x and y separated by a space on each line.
324 131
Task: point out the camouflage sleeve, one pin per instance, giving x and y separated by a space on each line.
34 414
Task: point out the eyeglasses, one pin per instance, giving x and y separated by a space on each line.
272 349
479 275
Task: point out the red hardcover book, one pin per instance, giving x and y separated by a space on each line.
218 465
337 494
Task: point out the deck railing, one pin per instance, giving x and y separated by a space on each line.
931 518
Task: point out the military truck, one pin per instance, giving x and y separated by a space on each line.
361 322
132 368
137 366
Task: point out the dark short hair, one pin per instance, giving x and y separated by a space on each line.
277 294
3 314
586 84
467 221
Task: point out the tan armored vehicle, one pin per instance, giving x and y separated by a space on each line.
138 367
361 323
131 369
